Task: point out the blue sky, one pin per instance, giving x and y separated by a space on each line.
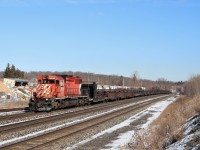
157 38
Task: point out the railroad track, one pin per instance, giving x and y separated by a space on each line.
16 116
64 133
14 109
32 114
59 117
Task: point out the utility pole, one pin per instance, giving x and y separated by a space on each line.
123 81
88 77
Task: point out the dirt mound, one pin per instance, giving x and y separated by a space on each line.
4 89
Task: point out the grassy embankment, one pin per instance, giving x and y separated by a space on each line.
167 128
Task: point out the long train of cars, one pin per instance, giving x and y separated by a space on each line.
61 91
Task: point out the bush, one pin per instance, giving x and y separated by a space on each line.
192 87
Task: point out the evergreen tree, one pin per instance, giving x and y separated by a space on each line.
11 72
7 71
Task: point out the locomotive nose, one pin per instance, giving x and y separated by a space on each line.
47 91
44 91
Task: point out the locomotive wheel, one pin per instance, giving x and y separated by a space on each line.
31 108
105 101
81 102
35 108
48 107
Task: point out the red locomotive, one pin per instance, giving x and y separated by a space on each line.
61 91
57 86
55 91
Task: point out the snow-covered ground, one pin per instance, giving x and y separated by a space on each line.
124 138
191 137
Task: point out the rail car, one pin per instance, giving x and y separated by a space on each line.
61 91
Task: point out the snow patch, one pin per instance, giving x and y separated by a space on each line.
124 138
191 135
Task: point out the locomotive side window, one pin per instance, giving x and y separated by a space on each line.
45 81
57 82
51 81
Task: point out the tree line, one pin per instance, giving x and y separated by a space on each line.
134 80
13 72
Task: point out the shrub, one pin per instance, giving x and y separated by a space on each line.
192 87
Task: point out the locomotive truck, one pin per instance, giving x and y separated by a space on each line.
61 91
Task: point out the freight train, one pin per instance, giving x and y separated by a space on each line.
61 91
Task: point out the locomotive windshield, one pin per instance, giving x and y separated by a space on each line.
51 81
46 81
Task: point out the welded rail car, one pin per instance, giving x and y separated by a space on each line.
61 91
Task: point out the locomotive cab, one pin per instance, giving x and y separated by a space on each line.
49 87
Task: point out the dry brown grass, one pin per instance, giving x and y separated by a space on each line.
166 129
13 104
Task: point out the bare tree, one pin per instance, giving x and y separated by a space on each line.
135 79
163 83
192 87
